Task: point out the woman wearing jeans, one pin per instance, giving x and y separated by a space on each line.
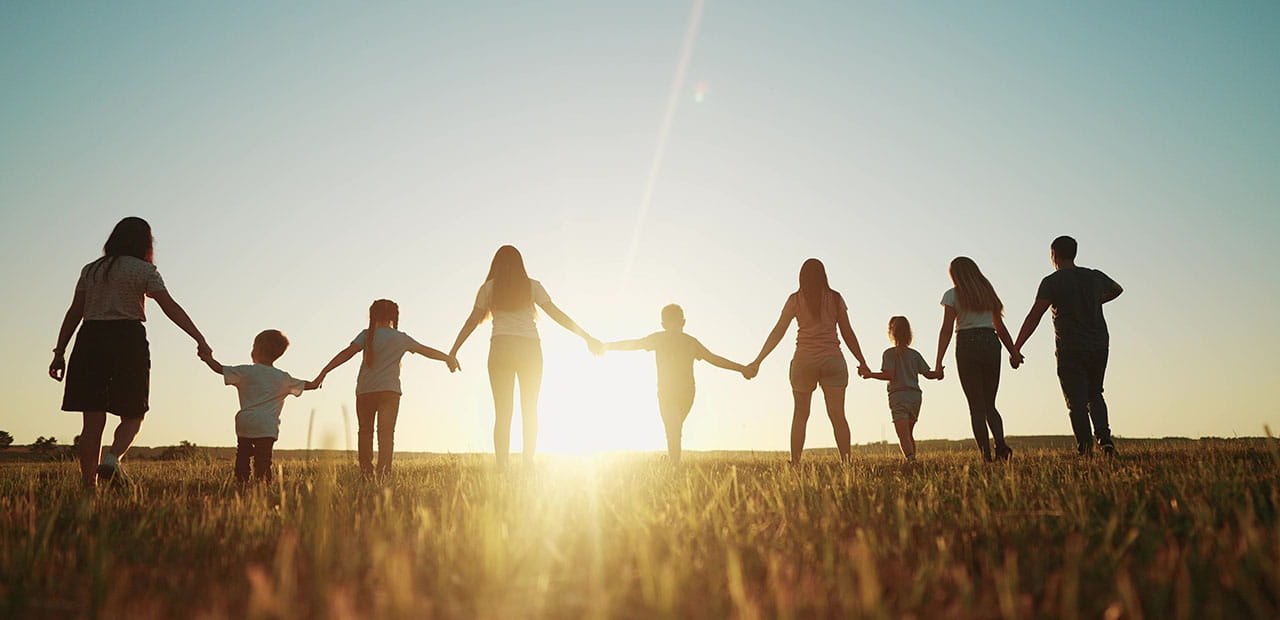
976 313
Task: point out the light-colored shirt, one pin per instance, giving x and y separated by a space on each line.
522 322
383 373
966 319
816 336
907 364
674 352
118 294
262 391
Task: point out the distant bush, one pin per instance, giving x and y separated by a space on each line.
6 440
45 445
185 450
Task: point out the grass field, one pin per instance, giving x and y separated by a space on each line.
1163 531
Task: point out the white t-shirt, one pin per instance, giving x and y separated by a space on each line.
389 345
514 322
262 391
118 294
966 319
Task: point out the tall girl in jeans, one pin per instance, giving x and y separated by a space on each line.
110 370
974 311
511 297
818 311
378 383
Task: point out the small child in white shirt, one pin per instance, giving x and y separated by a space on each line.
262 389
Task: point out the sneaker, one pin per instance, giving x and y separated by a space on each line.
1004 453
109 470
1108 446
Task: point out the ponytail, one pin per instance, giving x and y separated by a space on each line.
381 310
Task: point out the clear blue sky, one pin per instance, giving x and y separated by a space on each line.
299 160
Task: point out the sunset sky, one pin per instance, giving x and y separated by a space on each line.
299 160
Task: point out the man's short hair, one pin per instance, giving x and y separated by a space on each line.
272 343
1064 247
672 312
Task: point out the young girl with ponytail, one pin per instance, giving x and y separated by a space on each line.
378 383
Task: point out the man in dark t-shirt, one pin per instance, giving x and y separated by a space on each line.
1076 295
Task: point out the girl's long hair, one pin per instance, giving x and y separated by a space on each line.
813 287
381 310
511 290
130 237
900 331
973 291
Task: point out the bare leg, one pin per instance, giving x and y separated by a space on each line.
674 410
834 396
905 439
91 445
799 421
125 432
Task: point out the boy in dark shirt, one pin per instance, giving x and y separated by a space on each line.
1076 295
675 352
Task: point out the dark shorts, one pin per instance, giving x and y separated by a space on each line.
109 369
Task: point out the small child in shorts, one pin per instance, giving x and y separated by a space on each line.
675 352
262 389
900 366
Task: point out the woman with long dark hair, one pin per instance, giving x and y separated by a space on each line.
110 368
819 312
511 298
975 313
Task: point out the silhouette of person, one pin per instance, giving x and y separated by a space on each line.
1076 295
675 351
511 297
975 313
818 360
110 369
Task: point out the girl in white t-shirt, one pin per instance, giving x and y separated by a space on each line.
511 297
378 383
110 369
973 310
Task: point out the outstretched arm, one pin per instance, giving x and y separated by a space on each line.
473 320
944 335
851 340
1030 324
625 345
213 364
70 321
426 351
774 337
884 375
179 317
563 319
341 358
720 362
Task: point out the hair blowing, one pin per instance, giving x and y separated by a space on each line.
973 291
511 289
381 310
130 237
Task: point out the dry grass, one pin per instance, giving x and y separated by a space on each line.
1183 531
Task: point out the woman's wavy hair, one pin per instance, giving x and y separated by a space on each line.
130 237
973 291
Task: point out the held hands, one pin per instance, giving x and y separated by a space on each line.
1015 359
751 370
204 351
596 347
452 363
863 371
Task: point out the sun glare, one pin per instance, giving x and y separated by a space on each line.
592 405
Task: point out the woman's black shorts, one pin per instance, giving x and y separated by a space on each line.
109 370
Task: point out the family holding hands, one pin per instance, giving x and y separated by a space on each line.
109 370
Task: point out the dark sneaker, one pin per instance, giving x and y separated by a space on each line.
1108 446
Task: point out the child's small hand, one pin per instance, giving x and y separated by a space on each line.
596 347
452 363
314 384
